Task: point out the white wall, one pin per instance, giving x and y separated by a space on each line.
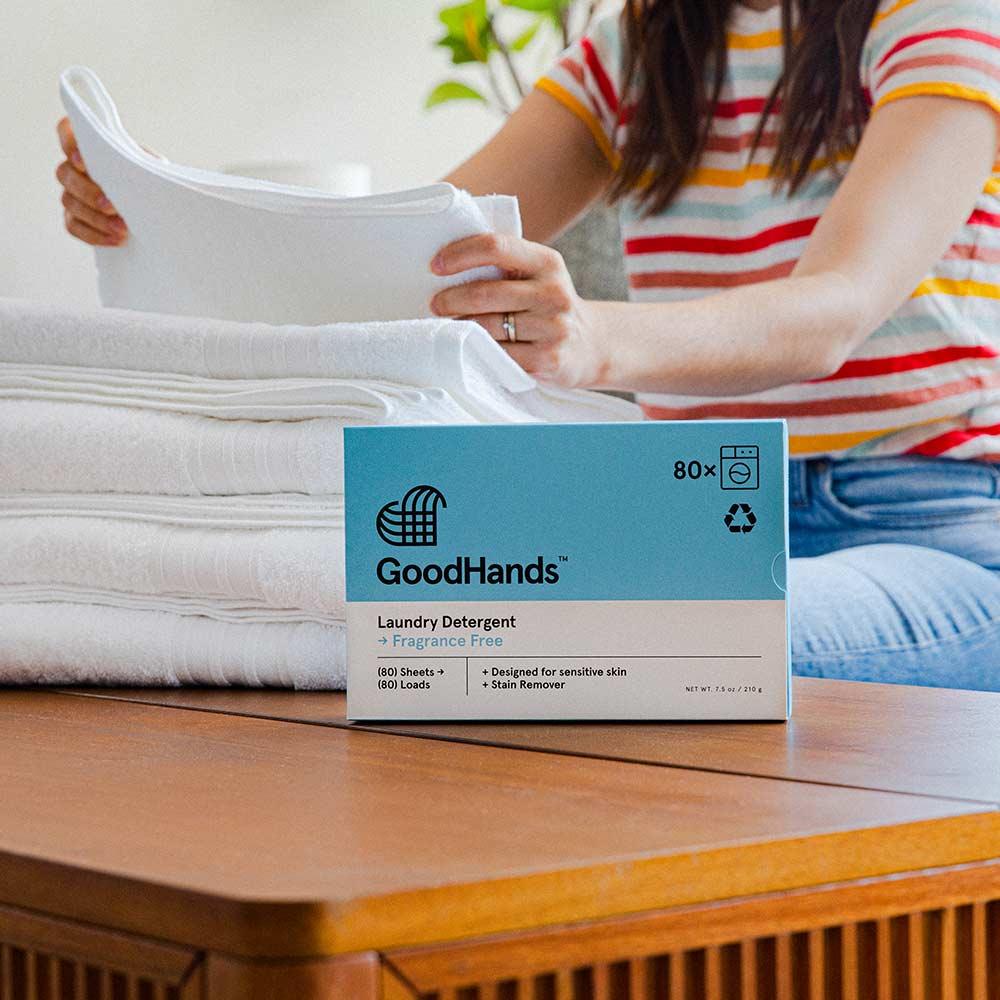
213 82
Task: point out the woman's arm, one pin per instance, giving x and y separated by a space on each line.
913 182
547 157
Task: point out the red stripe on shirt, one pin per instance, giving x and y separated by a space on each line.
945 442
969 251
595 67
574 69
745 106
739 143
852 405
867 367
965 33
981 218
952 59
721 245
706 279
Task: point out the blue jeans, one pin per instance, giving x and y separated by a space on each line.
895 571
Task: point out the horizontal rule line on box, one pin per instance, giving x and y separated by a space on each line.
582 656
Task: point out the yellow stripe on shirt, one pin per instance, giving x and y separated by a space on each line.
932 89
952 286
565 98
763 40
818 444
715 177
894 9
822 444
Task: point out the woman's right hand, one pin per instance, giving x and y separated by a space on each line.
88 214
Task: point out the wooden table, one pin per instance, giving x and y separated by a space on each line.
220 845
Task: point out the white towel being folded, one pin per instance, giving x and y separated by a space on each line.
298 570
207 244
66 643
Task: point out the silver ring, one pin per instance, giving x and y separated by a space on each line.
509 328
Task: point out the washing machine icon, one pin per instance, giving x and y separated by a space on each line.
739 467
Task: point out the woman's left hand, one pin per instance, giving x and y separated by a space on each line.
557 336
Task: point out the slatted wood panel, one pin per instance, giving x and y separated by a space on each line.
37 975
45 958
942 954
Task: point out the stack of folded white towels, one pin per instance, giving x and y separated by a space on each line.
170 487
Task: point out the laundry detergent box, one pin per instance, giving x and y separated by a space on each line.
571 571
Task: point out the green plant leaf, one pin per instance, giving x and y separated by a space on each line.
524 39
552 9
467 31
452 90
538 6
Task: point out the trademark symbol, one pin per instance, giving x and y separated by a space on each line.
564 559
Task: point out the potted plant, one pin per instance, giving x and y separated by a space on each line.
508 42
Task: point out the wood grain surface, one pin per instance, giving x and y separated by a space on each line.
266 838
925 741
352 977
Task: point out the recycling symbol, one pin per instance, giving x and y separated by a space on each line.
740 519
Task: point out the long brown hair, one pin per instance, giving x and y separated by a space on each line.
675 65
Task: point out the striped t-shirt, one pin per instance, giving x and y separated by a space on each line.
928 380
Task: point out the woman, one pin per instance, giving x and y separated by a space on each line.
812 231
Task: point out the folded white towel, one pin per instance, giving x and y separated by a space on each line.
85 405
299 570
233 399
457 358
66 643
207 244
282 510
215 608
77 447
169 487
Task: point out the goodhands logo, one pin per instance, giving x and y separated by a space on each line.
412 520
